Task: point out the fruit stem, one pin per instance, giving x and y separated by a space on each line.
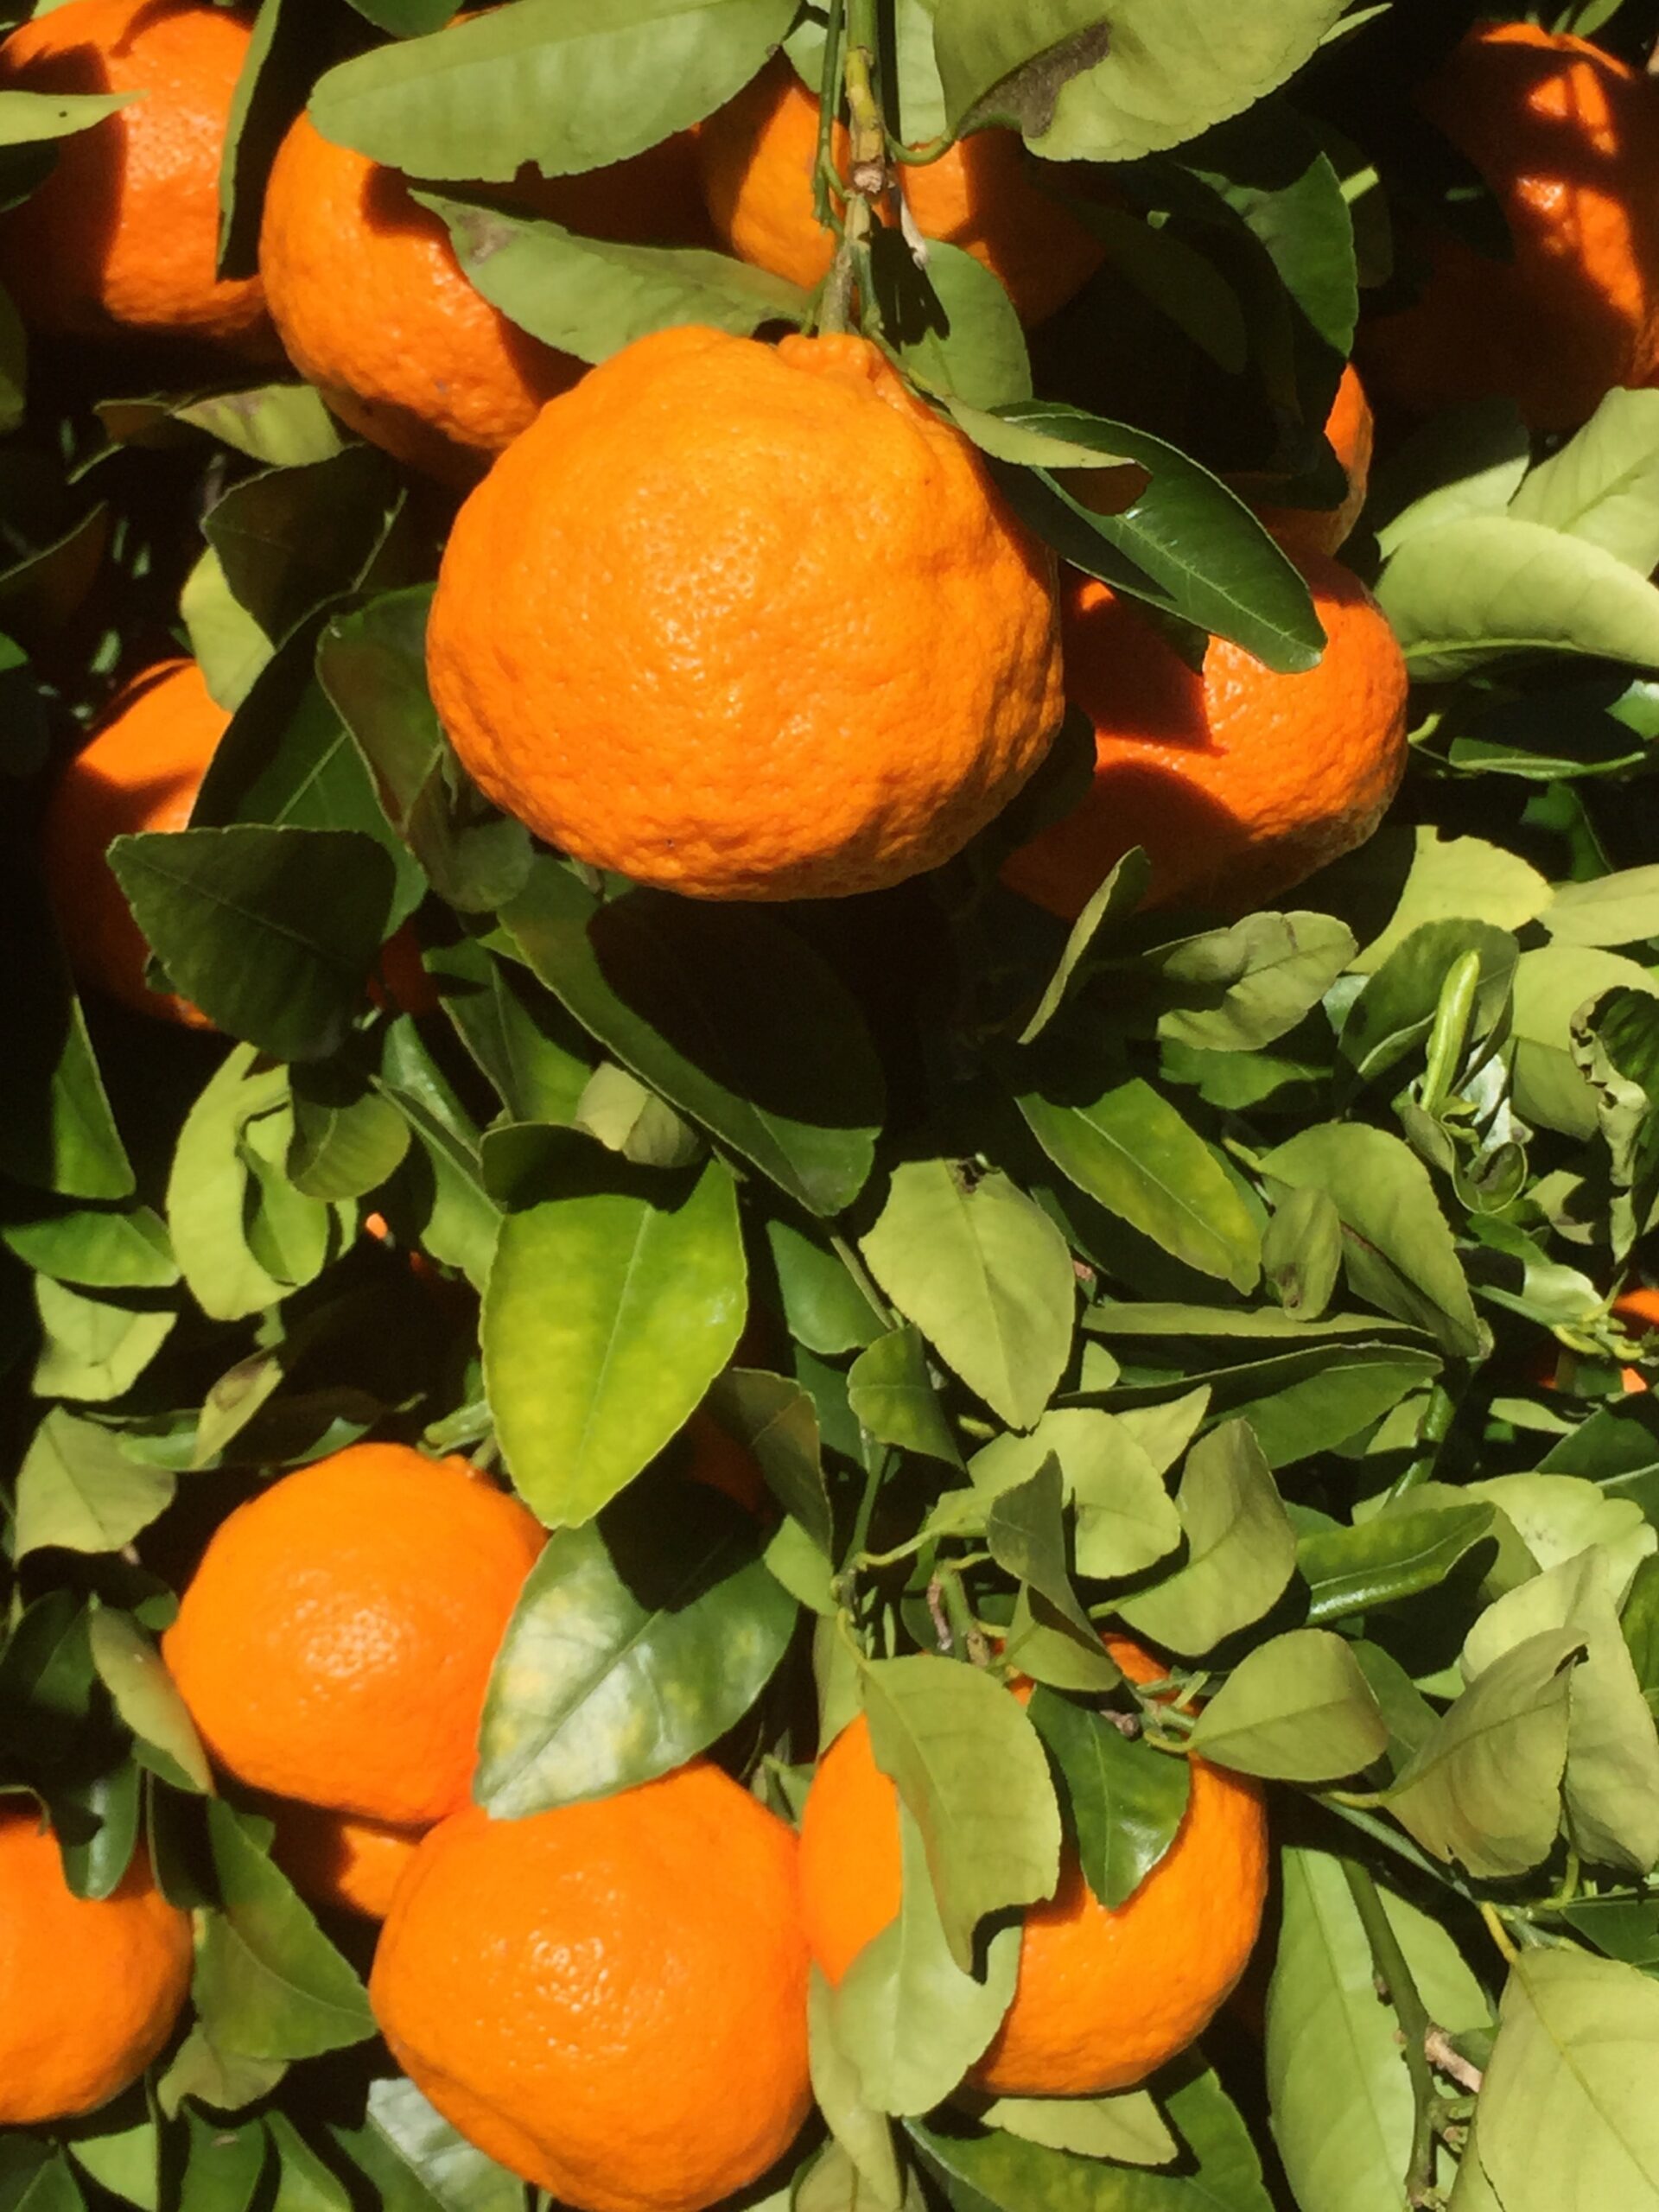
1401 1989
867 167
825 182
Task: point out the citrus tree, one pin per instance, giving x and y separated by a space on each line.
831 1104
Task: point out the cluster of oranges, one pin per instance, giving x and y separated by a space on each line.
609 1997
748 621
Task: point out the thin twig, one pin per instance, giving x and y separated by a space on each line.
1400 1988
1437 2048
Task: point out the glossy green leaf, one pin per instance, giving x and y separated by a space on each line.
1025 1534
1126 1799
1301 1250
269 1984
860 2132
1603 484
78 1489
589 298
1126 1520
1295 1709
269 932
728 1014
775 1418
612 1305
824 1308
889 1389
638 1639
1130 1150
538 83
459 2177
1125 2126
1240 1549
94 1349
1622 908
985 1276
99 1247
1398 1554
968 1765
131 1669
1242 987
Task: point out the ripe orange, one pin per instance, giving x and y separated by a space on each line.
610 1998
746 622
123 233
88 1991
758 154
374 307
1104 1997
1568 137
1239 782
139 770
1349 428
334 1859
335 1642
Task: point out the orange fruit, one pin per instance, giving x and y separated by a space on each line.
374 309
337 1860
123 235
335 1640
1239 782
1567 138
1104 1997
610 1998
1348 429
139 770
746 622
758 154
88 1991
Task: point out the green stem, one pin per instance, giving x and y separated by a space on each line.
1401 1989
1390 1840
1438 1417
855 1268
873 1481
828 108
867 166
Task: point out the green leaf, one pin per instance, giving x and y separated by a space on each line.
290 539
1126 1520
27 118
283 425
728 1014
42 2180
1340 2096
1451 878
1296 1709
1130 1150
269 1984
907 2015
996 2171
1612 1786
1244 588
460 2177
1603 484
969 1764
61 1134
348 1139
1618 909
1025 1533
1126 1799
775 1418
1477 590
1551 983
1168 72
1301 1250
1485 1788
638 1639
537 84
1566 2123
371 663
269 932
1397 1250
306 2183
986 1277
1395 1012
824 1307
954 326
860 2132
1125 2126
1398 1554
590 297
94 1349
1244 986
1341 1393
97 1247
890 1390
78 1490
207 1191
131 1669
612 1305
1240 1549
